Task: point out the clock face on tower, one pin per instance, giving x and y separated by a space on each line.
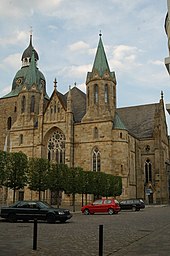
19 81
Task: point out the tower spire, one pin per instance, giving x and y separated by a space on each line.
100 63
31 31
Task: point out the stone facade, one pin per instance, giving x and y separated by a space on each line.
87 130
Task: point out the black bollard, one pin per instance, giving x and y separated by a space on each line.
100 240
35 235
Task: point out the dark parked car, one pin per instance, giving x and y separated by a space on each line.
30 210
110 206
132 204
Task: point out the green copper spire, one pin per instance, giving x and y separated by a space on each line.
31 76
100 63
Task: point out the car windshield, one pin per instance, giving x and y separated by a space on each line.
44 205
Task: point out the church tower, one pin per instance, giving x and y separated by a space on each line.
100 88
28 91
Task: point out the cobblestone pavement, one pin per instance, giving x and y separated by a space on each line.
128 233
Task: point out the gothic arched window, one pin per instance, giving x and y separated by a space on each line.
23 102
32 103
148 171
56 147
96 160
106 94
55 108
96 94
9 123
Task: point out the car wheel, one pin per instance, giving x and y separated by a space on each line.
50 218
110 211
12 217
86 212
133 209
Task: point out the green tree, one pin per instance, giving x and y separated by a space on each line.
101 184
38 174
117 185
73 184
16 171
56 179
3 162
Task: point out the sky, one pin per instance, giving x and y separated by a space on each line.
66 35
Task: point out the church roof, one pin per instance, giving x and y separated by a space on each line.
23 77
139 120
28 74
117 123
28 51
100 63
78 103
31 76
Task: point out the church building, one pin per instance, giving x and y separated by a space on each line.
87 129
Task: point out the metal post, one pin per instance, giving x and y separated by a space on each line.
35 235
100 240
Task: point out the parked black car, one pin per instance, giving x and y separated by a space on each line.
132 204
30 210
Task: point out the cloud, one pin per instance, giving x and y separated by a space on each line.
156 62
75 71
16 38
82 87
124 57
78 46
13 61
5 90
27 8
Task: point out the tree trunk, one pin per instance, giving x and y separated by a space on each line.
39 195
86 198
82 201
58 198
14 195
74 208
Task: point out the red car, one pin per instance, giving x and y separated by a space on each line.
111 206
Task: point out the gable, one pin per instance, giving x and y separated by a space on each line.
56 108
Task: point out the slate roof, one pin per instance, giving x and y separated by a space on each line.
139 120
78 103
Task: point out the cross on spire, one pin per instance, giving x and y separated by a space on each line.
55 83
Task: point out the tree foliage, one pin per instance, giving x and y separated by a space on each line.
16 171
38 174
3 163
57 177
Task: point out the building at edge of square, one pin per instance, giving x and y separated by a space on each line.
86 130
